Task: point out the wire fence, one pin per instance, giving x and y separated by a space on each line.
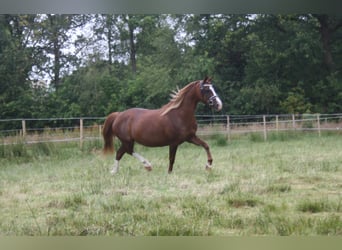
80 129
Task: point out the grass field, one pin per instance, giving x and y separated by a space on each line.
290 185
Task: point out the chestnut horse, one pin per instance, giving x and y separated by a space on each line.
171 125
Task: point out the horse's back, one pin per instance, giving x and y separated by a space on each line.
145 126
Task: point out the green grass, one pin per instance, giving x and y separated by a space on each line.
286 186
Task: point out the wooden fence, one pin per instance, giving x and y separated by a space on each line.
89 128
266 124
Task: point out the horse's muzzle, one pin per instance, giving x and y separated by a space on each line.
215 102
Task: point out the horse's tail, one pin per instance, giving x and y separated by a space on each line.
107 133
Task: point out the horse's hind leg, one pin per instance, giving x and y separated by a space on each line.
115 168
121 151
145 162
127 147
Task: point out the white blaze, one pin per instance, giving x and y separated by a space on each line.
218 100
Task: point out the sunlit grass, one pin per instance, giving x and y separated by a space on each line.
280 187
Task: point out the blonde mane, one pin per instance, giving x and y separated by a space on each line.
177 97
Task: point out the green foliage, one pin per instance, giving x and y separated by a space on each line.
278 188
260 64
21 152
296 103
221 140
262 98
256 137
242 201
328 93
16 63
16 151
318 206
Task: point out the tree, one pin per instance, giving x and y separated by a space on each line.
328 26
219 47
103 63
53 38
261 98
94 90
15 65
295 102
107 29
285 50
158 65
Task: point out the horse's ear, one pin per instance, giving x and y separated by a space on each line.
207 80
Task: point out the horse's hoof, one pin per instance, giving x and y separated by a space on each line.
148 168
208 167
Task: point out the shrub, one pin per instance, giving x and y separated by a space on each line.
242 201
219 140
313 206
18 150
256 137
278 188
43 149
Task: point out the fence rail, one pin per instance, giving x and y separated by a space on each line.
88 128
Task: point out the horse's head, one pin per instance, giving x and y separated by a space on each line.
209 95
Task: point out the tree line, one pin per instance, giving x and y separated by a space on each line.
91 65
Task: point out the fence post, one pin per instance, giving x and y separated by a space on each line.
23 126
265 130
100 130
228 128
293 121
277 124
318 125
81 133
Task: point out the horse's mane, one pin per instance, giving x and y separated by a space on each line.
177 97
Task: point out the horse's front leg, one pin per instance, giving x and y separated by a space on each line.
197 141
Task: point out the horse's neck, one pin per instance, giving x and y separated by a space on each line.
189 104
184 108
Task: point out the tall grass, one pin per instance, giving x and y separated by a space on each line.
279 187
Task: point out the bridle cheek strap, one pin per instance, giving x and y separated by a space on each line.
211 98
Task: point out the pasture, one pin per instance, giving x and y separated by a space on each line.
289 185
